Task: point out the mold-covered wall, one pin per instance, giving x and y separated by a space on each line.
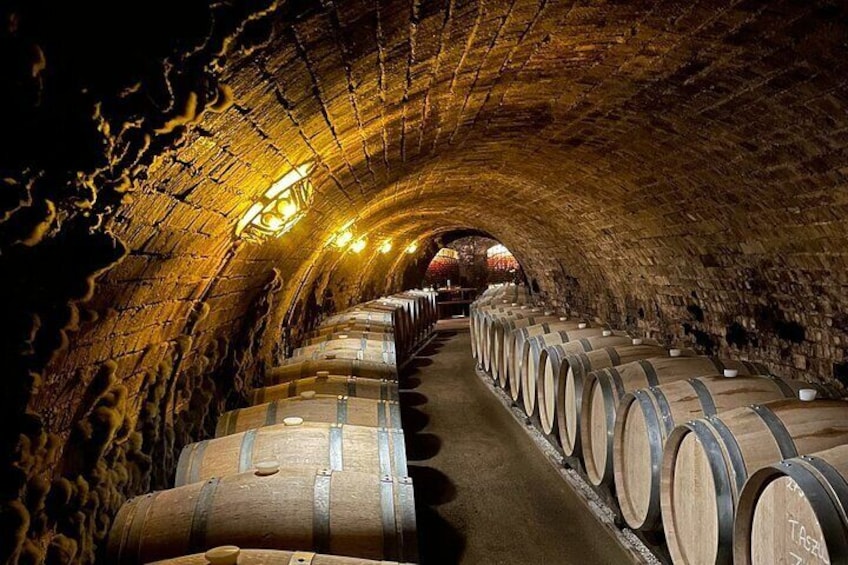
675 168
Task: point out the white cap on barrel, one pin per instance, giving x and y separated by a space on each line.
343 336
293 421
730 373
582 326
548 312
563 318
606 333
534 309
267 467
807 394
675 352
637 341
307 394
514 304
223 555
323 373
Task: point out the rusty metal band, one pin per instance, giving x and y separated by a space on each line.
321 511
246 450
200 517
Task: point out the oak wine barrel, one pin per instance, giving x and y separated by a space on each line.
308 368
646 416
321 408
341 512
504 340
707 461
311 445
604 389
795 511
323 383
348 348
384 336
488 318
276 557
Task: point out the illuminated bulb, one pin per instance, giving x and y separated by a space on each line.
287 209
272 221
412 248
386 247
358 245
344 238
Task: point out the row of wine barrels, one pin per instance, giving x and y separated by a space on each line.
646 417
363 348
233 555
502 340
296 444
604 389
356 354
338 512
519 350
707 461
325 383
533 348
588 352
478 312
320 408
487 316
298 369
386 335
794 511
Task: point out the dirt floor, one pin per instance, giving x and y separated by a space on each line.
485 494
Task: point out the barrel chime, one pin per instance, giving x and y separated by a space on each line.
731 463
312 472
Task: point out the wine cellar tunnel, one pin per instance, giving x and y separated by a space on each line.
188 189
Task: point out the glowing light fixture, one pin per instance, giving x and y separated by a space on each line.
280 208
343 238
386 246
358 245
412 247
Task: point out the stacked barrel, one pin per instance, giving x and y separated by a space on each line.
718 457
313 471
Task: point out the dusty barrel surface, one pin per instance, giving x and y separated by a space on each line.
308 445
328 409
275 557
794 512
349 348
604 389
521 348
533 348
307 368
707 461
379 389
646 417
505 340
371 336
340 512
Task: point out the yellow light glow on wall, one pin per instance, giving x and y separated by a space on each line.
358 245
412 247
279 208
386 246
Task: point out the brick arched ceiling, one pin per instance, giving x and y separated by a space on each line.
677 168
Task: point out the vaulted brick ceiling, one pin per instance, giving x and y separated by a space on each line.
675 167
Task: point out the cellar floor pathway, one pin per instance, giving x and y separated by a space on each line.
485 493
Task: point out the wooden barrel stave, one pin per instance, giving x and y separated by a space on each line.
277 557
308 445
604 389
521 348
308 368
712 458
505 341
378 389
340 512
327 409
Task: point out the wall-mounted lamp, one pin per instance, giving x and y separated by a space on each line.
358 245
280 208
343 238
386 246
412 247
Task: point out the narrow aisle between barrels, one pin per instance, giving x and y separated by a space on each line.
485 494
